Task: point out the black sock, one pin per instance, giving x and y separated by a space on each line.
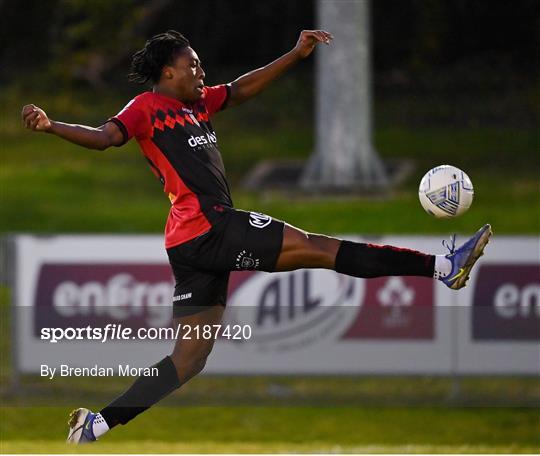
144 393
369 260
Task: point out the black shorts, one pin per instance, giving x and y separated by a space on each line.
238 240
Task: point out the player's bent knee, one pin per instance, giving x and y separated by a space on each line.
189 368
192 367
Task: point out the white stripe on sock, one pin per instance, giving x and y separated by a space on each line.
443 266
100 426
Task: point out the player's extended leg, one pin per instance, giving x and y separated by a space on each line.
187 360
307 250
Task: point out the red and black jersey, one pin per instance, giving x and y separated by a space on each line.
181 147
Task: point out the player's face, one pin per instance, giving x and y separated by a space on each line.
187 76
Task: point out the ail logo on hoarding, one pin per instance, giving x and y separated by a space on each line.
75 294
506 302
292 310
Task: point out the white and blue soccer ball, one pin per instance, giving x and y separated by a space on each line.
446 191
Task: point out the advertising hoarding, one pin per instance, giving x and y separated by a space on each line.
305 321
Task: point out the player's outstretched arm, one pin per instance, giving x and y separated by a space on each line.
252 83
35 119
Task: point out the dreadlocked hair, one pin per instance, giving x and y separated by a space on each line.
158 51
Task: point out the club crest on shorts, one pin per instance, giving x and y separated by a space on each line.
245 261
258 220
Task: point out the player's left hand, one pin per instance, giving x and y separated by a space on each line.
309 39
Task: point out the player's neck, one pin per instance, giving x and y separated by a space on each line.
168 92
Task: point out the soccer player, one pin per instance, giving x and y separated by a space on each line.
205 237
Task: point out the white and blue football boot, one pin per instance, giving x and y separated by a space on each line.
80 426
464 257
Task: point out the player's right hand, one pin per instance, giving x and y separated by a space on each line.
35 118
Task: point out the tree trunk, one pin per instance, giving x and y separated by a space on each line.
344 157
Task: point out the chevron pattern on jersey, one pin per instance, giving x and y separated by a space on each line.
161 119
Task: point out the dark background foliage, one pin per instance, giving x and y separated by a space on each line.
90 40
